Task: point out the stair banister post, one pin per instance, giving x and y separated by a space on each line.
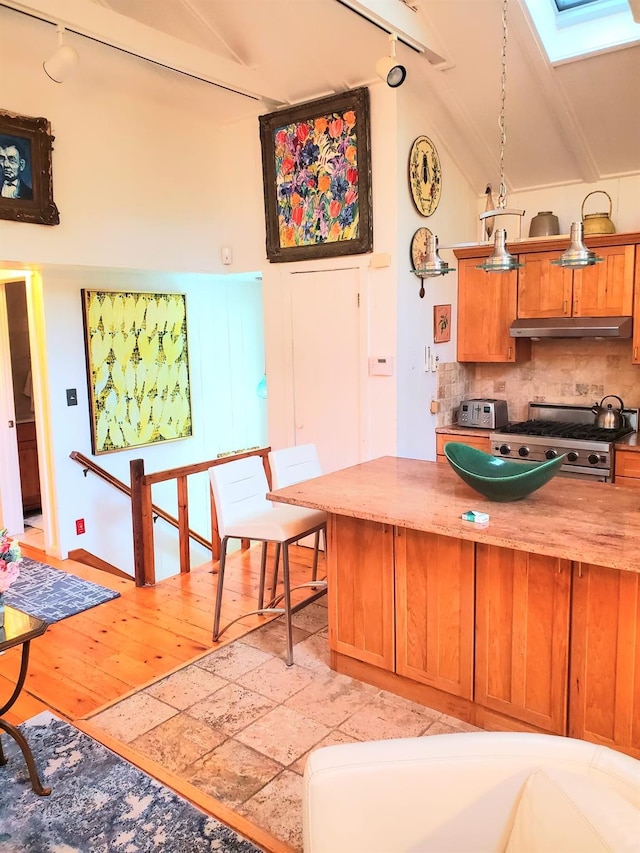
142 519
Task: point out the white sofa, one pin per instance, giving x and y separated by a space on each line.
471 793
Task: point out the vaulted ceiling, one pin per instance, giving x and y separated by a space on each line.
579 121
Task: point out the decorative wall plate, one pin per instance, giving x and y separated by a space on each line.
419 248
425 175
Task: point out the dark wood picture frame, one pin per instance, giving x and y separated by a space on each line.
316 165
29 142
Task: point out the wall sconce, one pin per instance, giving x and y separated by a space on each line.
389 69
63 62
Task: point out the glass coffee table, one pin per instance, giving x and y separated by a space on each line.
18 630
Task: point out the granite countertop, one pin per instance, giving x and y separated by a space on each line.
577 520
454 429
629 442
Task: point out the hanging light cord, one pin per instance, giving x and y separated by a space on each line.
502 190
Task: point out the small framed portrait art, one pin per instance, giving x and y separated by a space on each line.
441 324
316 169
26 185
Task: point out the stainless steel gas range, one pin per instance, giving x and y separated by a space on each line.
553 429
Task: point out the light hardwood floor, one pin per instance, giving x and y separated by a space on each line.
102 654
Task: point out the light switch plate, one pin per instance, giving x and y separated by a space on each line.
72 397
380 366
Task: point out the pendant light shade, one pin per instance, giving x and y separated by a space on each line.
577 255
501 260
433 264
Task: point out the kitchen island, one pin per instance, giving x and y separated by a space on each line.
531 622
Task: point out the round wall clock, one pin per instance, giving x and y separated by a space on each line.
419 249
425 175
419 254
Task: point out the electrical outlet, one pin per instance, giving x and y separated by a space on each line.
79 526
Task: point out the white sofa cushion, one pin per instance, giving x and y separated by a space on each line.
564 811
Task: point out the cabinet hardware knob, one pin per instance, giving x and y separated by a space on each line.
509 352
635 352
564 307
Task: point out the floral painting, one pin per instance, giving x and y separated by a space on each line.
138 369
317 178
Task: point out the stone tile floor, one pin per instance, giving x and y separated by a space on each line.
239 724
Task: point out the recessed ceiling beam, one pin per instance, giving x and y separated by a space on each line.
394 16
115 30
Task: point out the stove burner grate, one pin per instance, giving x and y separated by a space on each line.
560 429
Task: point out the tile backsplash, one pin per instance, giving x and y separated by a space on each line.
578 371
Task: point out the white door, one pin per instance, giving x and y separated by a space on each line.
10 491
327 360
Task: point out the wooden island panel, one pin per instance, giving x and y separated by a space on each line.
605 658
522 636
434 610
361 590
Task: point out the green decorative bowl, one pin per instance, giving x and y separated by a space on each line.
496 478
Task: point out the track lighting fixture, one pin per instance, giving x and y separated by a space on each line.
63 62
389 69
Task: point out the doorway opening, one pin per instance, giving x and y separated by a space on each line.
25 413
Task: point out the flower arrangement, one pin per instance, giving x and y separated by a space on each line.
10 559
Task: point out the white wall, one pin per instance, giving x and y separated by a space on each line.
145 175
147 178
226 357
453 221
566 202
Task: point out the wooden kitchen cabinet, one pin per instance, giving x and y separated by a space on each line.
605 658
602 290
480 442
28 461
435 610
635 352
487 304
522 636
627 468
360 575
544 290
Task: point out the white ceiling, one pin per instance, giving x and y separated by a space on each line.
579 121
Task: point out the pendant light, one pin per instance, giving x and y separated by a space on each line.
501 260
577 255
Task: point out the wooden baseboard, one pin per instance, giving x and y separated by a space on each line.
423 694
89 559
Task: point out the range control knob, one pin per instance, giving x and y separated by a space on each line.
551 454
523 451
593 459
505 449
572 456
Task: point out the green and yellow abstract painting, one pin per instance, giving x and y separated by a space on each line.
138 368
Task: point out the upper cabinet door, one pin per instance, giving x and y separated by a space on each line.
606 288
486 309
544 290
635 358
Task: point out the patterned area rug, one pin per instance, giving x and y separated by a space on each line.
99 802
52 595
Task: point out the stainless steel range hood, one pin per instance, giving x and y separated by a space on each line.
572 327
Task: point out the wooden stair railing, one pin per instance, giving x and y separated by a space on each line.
90 465
142 511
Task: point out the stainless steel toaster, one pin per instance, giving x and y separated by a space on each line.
483 413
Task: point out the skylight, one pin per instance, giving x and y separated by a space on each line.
570 29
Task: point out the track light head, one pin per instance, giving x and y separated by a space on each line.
389 69
61 64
